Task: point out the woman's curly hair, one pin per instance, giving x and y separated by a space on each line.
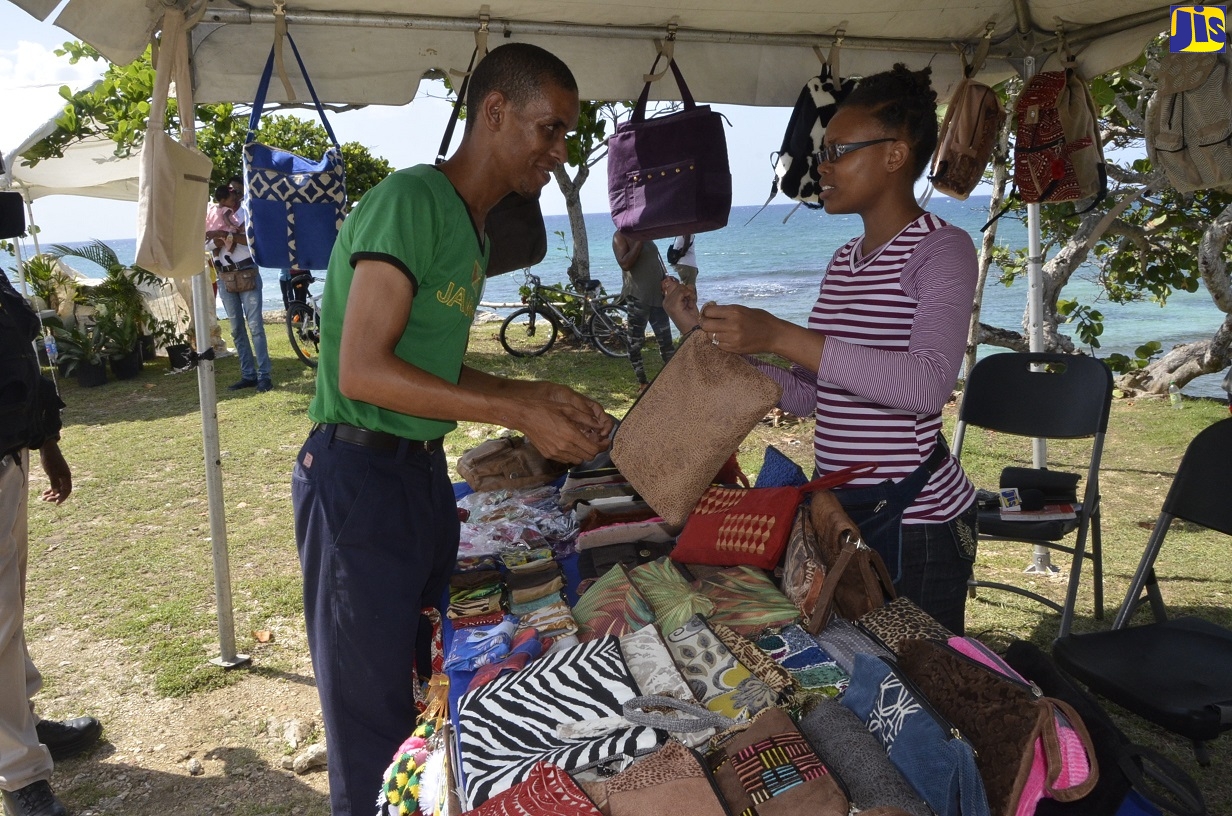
905 103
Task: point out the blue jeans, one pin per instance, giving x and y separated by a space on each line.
377 532
245 308
937 561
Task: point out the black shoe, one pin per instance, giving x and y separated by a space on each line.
69 738
264 385
35 799
242 384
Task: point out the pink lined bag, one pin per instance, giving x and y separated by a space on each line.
1064 767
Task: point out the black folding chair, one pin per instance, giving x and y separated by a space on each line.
1050 396
1175 672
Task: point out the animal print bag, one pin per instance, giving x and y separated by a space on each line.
796 171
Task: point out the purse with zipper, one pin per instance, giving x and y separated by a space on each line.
929 750
1028 746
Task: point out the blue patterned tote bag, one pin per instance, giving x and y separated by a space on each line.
927 749
295 205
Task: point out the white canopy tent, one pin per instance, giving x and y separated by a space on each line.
730 51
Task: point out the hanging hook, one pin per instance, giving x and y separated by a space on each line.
280 31
666 48
481 42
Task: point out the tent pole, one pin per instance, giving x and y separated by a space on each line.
203 298
30 218
1041 556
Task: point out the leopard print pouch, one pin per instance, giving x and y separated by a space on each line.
669 782
900 620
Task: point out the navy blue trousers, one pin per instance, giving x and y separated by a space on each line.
377 533
937 560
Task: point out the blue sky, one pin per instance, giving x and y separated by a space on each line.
30 76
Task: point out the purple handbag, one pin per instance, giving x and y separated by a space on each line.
669 175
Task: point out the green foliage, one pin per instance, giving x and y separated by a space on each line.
80 344
1088 321
43 275
1143 355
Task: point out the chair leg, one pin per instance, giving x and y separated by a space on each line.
1202 753
1097 565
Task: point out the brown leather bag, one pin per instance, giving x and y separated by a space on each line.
683 427
508 463
856 579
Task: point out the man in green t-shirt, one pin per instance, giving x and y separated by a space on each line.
375 518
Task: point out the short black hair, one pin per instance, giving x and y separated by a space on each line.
904 102
222 193
520 71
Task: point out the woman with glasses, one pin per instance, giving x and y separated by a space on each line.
881 353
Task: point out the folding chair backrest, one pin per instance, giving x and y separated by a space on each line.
1199 492
1069 397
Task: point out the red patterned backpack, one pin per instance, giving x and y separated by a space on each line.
1058 155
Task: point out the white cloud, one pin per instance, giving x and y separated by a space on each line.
30 78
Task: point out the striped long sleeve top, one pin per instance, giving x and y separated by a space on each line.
896 327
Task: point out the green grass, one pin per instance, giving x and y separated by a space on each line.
133 542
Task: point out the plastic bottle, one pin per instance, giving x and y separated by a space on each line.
1174 395
49 343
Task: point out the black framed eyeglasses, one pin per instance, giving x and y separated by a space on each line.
834 152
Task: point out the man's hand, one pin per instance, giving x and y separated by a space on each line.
57 472
564 425
680 303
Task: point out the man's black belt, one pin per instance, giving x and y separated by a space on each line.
377 439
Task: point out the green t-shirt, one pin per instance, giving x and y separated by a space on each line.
415 220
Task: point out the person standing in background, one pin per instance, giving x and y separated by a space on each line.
683 258
244 308
644 272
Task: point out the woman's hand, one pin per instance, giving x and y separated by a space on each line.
739 329
680 303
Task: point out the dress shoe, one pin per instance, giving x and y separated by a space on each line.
236 386
264 385
35 799
69 738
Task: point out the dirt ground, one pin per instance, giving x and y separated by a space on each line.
217 752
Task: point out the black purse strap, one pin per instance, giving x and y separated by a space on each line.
258 103
639 112
457 108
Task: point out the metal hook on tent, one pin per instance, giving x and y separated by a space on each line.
981 51
666 48
280 30
836 43
481 42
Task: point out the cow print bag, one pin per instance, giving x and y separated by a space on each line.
796 168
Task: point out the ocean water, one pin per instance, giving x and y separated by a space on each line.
761 261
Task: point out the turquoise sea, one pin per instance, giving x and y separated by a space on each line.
775 265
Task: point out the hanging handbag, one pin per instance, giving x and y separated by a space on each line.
1027 746
935 757
973 120
174 182
770 769
295 205
671 463
517 236
732 526
669 175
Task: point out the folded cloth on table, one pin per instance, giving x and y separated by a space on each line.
487 605
531 607
528 577
534 593
552 621
481 645
516 558
614 510
747 600
814 669
596 561
478 579
486 674
569 497
477 620
653 529
473 563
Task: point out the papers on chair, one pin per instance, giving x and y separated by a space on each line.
1049 512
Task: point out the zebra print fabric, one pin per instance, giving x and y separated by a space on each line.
509 724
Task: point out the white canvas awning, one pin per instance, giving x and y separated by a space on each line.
87 168
734 51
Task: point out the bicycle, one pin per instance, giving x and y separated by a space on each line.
532 330
303 317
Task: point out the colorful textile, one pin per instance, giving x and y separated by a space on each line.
534 593
552 621
671 597
530 607
515 558
477 620
656 674
481 645
746 600
546 791
721 682
814 669
612 606
776 764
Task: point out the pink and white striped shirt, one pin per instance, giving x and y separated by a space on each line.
896 328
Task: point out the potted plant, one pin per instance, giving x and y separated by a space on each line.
81 353
121 344
169 335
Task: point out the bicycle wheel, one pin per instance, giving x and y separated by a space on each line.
608 330
528 332
304 331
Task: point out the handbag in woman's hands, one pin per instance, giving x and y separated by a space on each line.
688 422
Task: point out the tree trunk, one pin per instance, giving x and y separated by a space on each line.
1189 360
1000 172
579 258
